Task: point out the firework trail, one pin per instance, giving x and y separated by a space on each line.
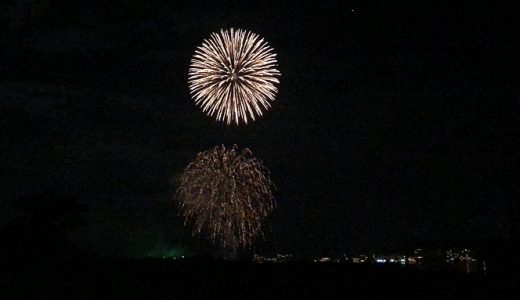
233 76
226 194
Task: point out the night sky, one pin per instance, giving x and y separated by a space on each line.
394 126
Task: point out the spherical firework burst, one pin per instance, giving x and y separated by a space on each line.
226 194
234 76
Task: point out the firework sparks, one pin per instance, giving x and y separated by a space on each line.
226 194
234 76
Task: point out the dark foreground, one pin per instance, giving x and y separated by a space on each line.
169 279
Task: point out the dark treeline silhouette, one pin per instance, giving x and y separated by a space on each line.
41 228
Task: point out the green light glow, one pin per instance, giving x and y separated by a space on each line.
163 252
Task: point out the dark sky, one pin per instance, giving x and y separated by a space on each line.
395 124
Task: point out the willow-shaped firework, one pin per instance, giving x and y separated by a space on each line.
226 194
234 76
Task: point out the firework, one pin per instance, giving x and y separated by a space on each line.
226 194
234 76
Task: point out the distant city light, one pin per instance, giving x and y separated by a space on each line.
460 260
325 259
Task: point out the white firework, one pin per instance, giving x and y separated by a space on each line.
233 75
